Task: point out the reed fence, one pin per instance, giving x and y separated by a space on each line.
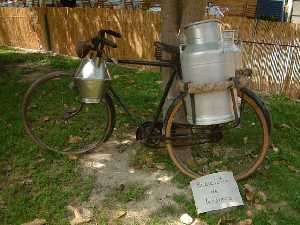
238 7
270 49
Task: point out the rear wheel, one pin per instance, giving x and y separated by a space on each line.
240 149
57 120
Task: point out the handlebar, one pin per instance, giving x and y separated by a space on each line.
97 43
110 32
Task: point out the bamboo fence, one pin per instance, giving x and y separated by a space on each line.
238 7
270 49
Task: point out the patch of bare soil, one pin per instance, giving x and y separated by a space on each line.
112 169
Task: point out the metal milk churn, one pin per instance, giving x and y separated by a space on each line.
92 78
209 55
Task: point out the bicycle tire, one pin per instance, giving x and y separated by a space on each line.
252 101
59 83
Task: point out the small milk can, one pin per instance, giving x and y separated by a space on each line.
92 79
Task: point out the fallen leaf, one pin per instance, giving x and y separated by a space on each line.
259 207
160 166
27 182
41 160
46 119
74 139
292 168
262 196
78 218
199 222
246 222
284 126
280 162
36 222
201 161
226 221
272 222
275 148
131 82
72 157
249 192
245 139
215 163
121 188
249 213
277 206
159 82
2 204
120 214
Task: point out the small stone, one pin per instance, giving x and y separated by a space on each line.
186 219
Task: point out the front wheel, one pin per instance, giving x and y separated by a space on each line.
57 120
240 149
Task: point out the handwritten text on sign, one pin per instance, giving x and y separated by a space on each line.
216 191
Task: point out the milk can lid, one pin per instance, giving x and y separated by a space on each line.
202 22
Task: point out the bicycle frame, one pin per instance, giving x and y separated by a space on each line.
167 64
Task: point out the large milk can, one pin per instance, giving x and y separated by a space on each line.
209 55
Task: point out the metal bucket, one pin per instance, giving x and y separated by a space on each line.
92 79
92 90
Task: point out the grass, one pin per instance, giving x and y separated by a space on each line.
125 194
33 184
36 184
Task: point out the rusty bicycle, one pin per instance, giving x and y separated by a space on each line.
59 118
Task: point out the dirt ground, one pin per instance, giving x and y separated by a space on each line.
110 165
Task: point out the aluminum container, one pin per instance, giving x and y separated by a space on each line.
208 61
203 32
92 79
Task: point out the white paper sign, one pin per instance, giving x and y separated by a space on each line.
215 192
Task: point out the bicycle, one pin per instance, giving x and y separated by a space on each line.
75 127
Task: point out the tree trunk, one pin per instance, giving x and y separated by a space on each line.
175 15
